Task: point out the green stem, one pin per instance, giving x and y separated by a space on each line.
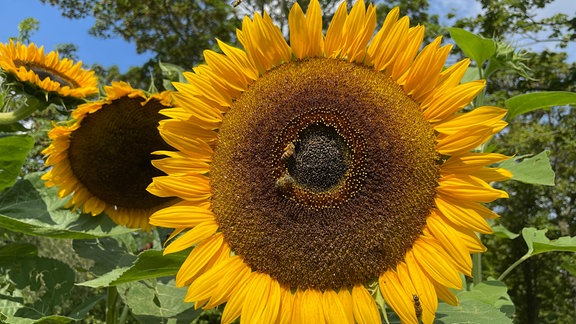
124 314
514 265
476 268
112 306
24 110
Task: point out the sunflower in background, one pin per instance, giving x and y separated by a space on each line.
47 72
103 158
317 174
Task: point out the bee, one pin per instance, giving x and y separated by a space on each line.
417 306
237 3
288 151
284 183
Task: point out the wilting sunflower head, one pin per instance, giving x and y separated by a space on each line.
103 158
312 172
48 73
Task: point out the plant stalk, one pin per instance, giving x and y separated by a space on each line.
112 306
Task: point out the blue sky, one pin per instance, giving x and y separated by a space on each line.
55 29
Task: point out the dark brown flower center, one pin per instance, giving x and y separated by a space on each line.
324 173
318 162
44 72
110 153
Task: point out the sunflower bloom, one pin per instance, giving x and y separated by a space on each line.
47 72
314 171
103 157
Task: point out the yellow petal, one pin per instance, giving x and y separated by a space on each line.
471 162
311 310
231 280
240 59
468 188
492 174
392 288
334 34
190 140
184 214
444 103
306 37
379 39
424 73
234 306
262 300
286 305
436 262
297 307
445 294
200 232
445 235
363 306
198 259
298 31
210 284
482 116
467 139
333 309
191 187
358 29
346 300
424 288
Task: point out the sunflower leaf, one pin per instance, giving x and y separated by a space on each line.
527 102
532 170
13 152
171 73
47 284
487 302
475 47
538 242
501 231
154 301
570 266
29 207
149 264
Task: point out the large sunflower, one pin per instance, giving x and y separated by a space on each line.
314 173
47 72
104 156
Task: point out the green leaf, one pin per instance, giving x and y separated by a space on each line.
54 319
31 208
532 170
471 74
107 253
82 310
501 231
12 128
154 302
538 242
13 152
47 283
480 312
487 302
150 264
524 103
475 47
570 266
171 73
18 249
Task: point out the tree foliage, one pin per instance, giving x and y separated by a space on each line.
175 31
501 18
542 288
